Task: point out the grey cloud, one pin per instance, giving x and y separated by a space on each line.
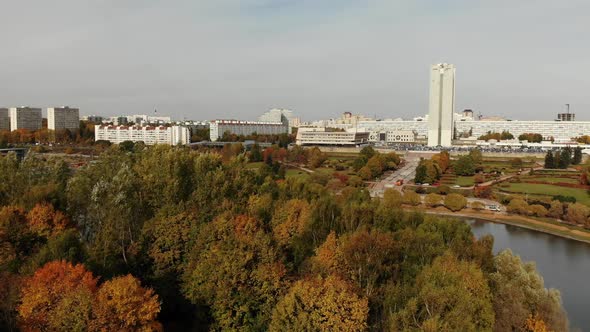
229 58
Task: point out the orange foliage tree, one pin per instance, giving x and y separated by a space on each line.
61 296
51 293
46 221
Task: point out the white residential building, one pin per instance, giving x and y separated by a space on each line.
25 118
319 136
148 134
63 118
218 127
280 115
4 119
441 105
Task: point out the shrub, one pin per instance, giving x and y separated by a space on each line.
411 198
556 209
355 181
479 178
518 205
577 213
477 205
444 189
455 202
433 200
538 210
565 199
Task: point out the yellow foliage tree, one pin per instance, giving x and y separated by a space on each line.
321 304
123 305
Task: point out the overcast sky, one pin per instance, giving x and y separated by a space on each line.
206 59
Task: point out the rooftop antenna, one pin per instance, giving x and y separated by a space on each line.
568 108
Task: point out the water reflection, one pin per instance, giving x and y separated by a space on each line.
563 263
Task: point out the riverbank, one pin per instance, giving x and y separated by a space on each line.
564 231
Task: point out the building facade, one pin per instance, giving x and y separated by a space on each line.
218 127
29 118
319 136
4 119
280 115
148 134
393 136
59 118
441 105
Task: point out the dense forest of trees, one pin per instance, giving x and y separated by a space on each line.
170 238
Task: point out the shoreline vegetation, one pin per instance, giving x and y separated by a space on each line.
561 230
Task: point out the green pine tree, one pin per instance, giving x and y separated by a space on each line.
549 161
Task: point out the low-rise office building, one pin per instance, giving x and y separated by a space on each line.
29 118
148 134
218 127
4 119
319 136
59 118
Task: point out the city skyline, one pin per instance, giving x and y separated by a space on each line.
236 59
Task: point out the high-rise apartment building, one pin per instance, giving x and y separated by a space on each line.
441 105
25 118
4 119
63 118
280 115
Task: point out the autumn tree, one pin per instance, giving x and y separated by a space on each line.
465 165
235 270
121 304
556 209
518 205
290 220
46 221
16 240
519 292
451 295
10 285
315 157
168 239
320 304
57 297
577 213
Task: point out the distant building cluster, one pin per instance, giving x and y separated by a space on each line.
171 135
31 118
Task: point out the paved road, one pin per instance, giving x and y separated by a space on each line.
406 172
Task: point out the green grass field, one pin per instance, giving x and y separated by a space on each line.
255 165
296 173
464 181
581 195
551 179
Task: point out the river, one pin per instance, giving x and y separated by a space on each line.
563 263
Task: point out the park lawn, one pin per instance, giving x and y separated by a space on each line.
464 181
581 195
552 179
296 173
255 165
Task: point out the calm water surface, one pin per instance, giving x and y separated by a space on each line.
564 264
